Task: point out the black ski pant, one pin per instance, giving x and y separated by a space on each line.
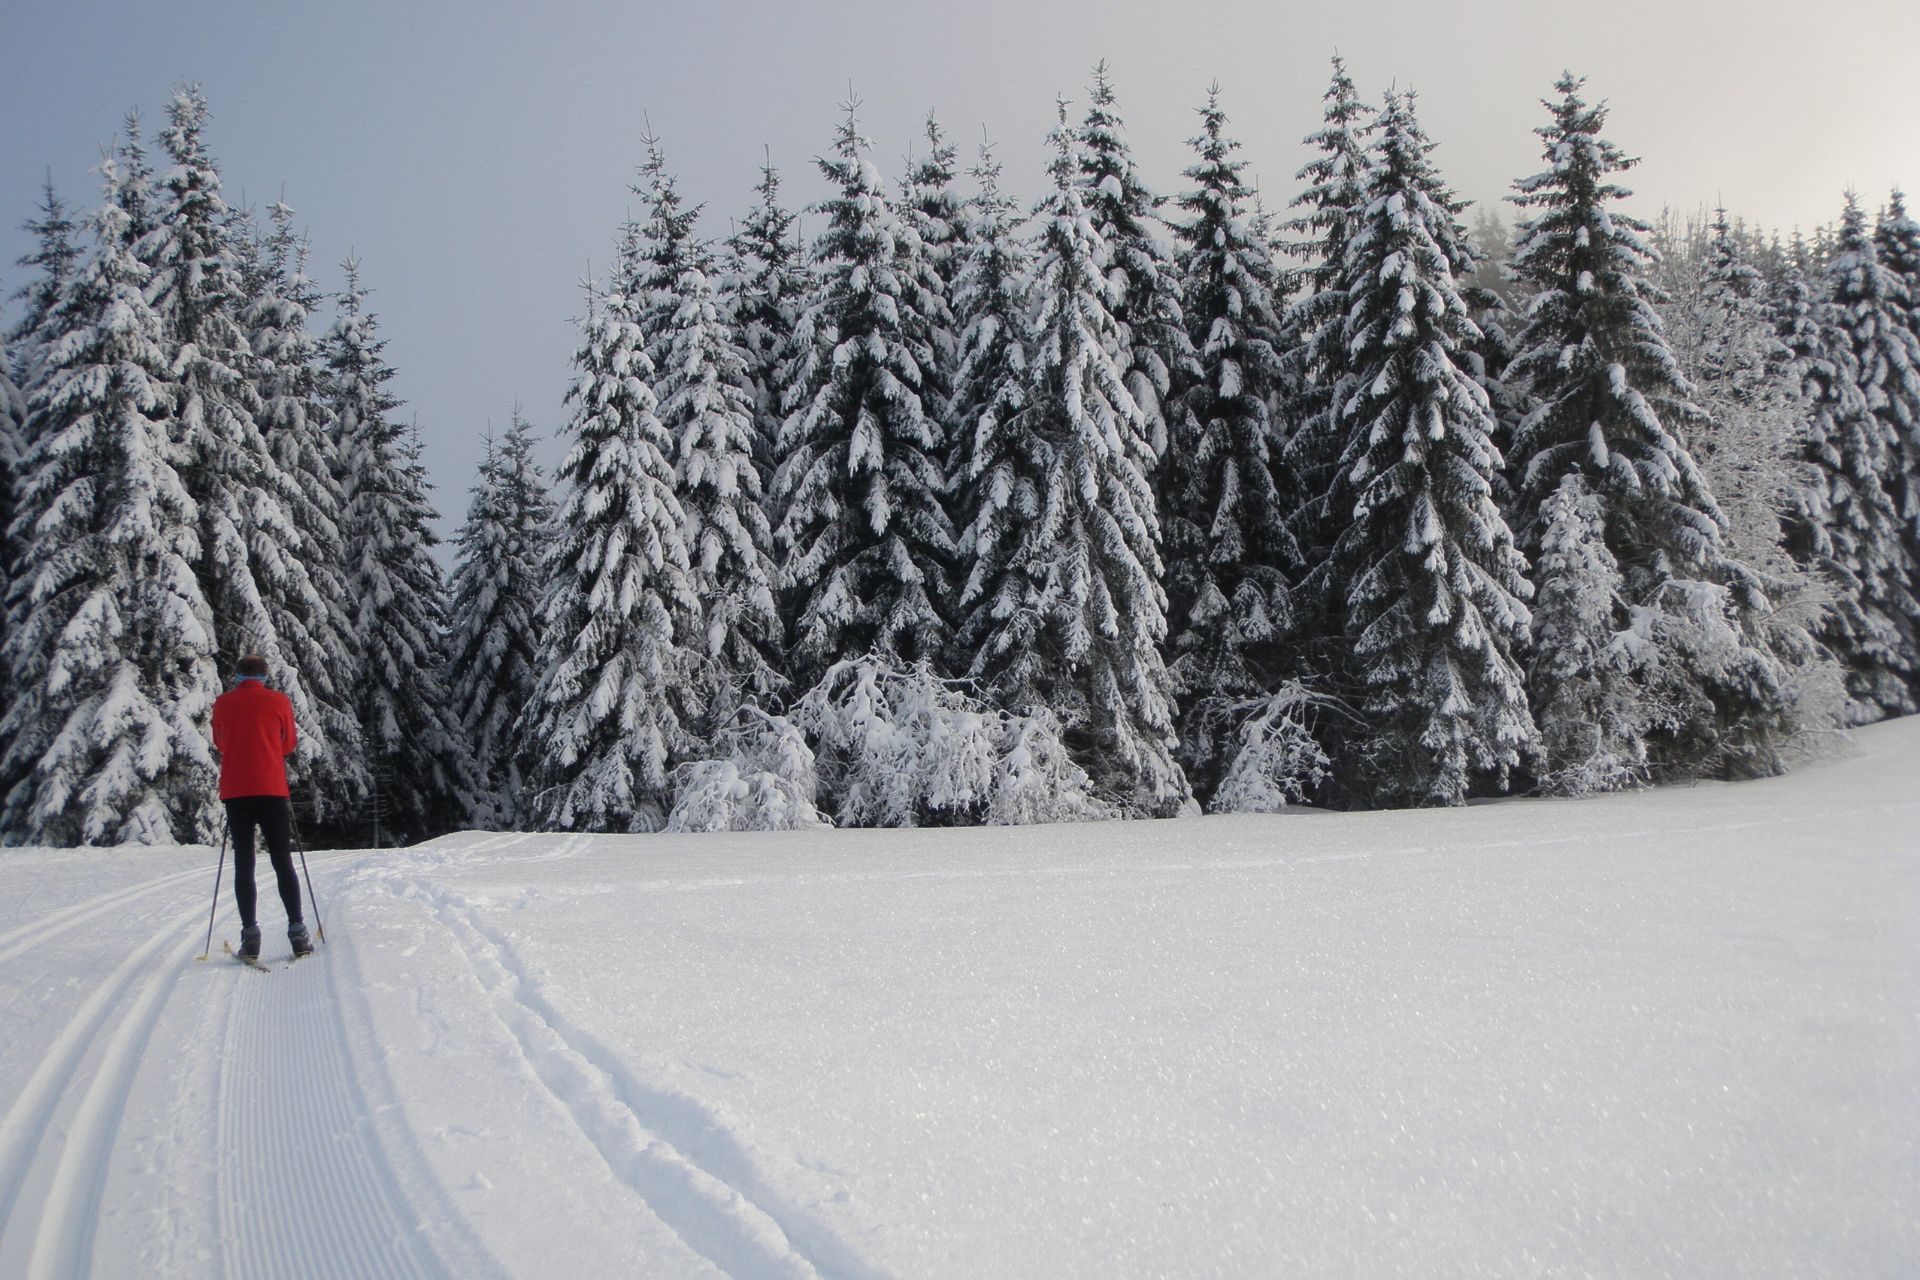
274 816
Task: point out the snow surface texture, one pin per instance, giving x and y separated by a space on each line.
1666 1033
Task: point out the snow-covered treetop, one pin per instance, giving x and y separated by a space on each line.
1115 189
1576 236
1610 394
1896 237
195 278
1335 178
929 201
55 256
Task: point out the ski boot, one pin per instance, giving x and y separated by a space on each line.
249 942
298 939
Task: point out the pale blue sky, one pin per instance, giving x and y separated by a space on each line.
476 155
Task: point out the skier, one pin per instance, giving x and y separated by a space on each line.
253 733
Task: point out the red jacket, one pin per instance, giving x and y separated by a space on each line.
253 732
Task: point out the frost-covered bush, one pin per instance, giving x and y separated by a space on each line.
716 795
1276 759
898 746
1037 780
1593 721
764 782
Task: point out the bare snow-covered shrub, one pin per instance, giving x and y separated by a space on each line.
766 781
1037 780
716 795
900 747
1276 758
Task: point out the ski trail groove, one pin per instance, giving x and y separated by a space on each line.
24 938
305 1191
716 1205
63 1245
72 1204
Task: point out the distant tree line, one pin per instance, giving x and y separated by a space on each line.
969 511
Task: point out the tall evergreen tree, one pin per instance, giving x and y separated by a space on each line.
1856 364
867 542
424 777
13 420
706 408
929 205
53 260
308 595
995 469
1610 401
494 643
765 287
110 658
1155 354
1070 561
1593 354
601 731
252 566
1896 241
1225 493
1435 616
1328 209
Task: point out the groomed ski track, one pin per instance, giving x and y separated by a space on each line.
234 1107
268 1142
1667 1033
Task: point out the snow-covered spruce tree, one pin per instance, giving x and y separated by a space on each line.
197 292
603 729
256 568
867 544
1609 401
1435 590
1154 352
766 285
494 640
929 204
54 259
423 779
13 419
110 656
313 613
1855 365
1068 564
1327 210
1896 241
995 469
933 234
1225 492
705 407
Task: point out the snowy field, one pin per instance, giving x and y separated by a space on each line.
1674 1033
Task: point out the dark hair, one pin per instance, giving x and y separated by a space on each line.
253 665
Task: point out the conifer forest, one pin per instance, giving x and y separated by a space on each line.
991 498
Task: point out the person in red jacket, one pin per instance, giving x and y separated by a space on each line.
253 732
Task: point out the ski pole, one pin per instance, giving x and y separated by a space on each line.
218 871
300 843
